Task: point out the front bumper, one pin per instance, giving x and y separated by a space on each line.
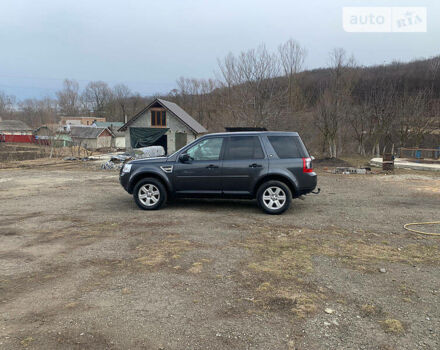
124 180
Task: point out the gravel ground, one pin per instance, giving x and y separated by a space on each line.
82 268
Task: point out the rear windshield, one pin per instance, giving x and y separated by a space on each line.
288 146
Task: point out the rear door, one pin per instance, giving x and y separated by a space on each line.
244 162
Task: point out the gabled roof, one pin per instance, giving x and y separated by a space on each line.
173 108
86 132
13 125
113 126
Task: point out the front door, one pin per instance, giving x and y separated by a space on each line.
201 175
244 162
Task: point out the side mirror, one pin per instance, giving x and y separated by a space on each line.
184 158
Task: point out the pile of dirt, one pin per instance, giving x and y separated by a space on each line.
18 152
331 162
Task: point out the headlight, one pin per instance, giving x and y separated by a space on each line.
126 168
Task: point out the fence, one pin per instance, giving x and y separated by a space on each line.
420 153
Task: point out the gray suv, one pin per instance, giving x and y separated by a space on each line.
272 167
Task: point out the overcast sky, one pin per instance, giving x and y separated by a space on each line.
148 44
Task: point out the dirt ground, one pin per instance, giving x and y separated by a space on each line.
82 268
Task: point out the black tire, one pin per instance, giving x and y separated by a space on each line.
146 187
278 205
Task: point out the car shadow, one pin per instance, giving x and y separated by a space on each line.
207 205
212 205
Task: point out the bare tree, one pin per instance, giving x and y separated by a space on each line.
254 95
38 112
415 119
96 96
381 101
183 91
7 103
327 121
121 95
358 120
292 57
335 102
136 102
198 97
68 97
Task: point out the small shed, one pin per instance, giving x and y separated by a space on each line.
62 139
161 123
91 137
15 131
119 136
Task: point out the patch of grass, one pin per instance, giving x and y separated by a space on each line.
71 305
300 304
407 291
158 253
393 326
357 160
288 254
265 286
197 267
26 341
305 305
283 257
386 347
369 310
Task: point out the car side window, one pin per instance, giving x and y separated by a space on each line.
243 147
208 149
286 146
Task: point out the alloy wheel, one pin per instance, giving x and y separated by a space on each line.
274 197
149 195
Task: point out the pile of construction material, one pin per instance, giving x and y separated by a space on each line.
116 161
149 152
351 170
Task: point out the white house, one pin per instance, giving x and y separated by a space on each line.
161 123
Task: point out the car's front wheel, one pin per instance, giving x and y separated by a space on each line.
274 197
149 194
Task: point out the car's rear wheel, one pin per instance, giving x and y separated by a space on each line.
274 197
149 194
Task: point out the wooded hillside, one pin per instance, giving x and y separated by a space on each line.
343 108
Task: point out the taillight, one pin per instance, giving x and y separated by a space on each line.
307 165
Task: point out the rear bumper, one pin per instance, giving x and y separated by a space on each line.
308 183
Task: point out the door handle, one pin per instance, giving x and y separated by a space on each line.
255 165
212 166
